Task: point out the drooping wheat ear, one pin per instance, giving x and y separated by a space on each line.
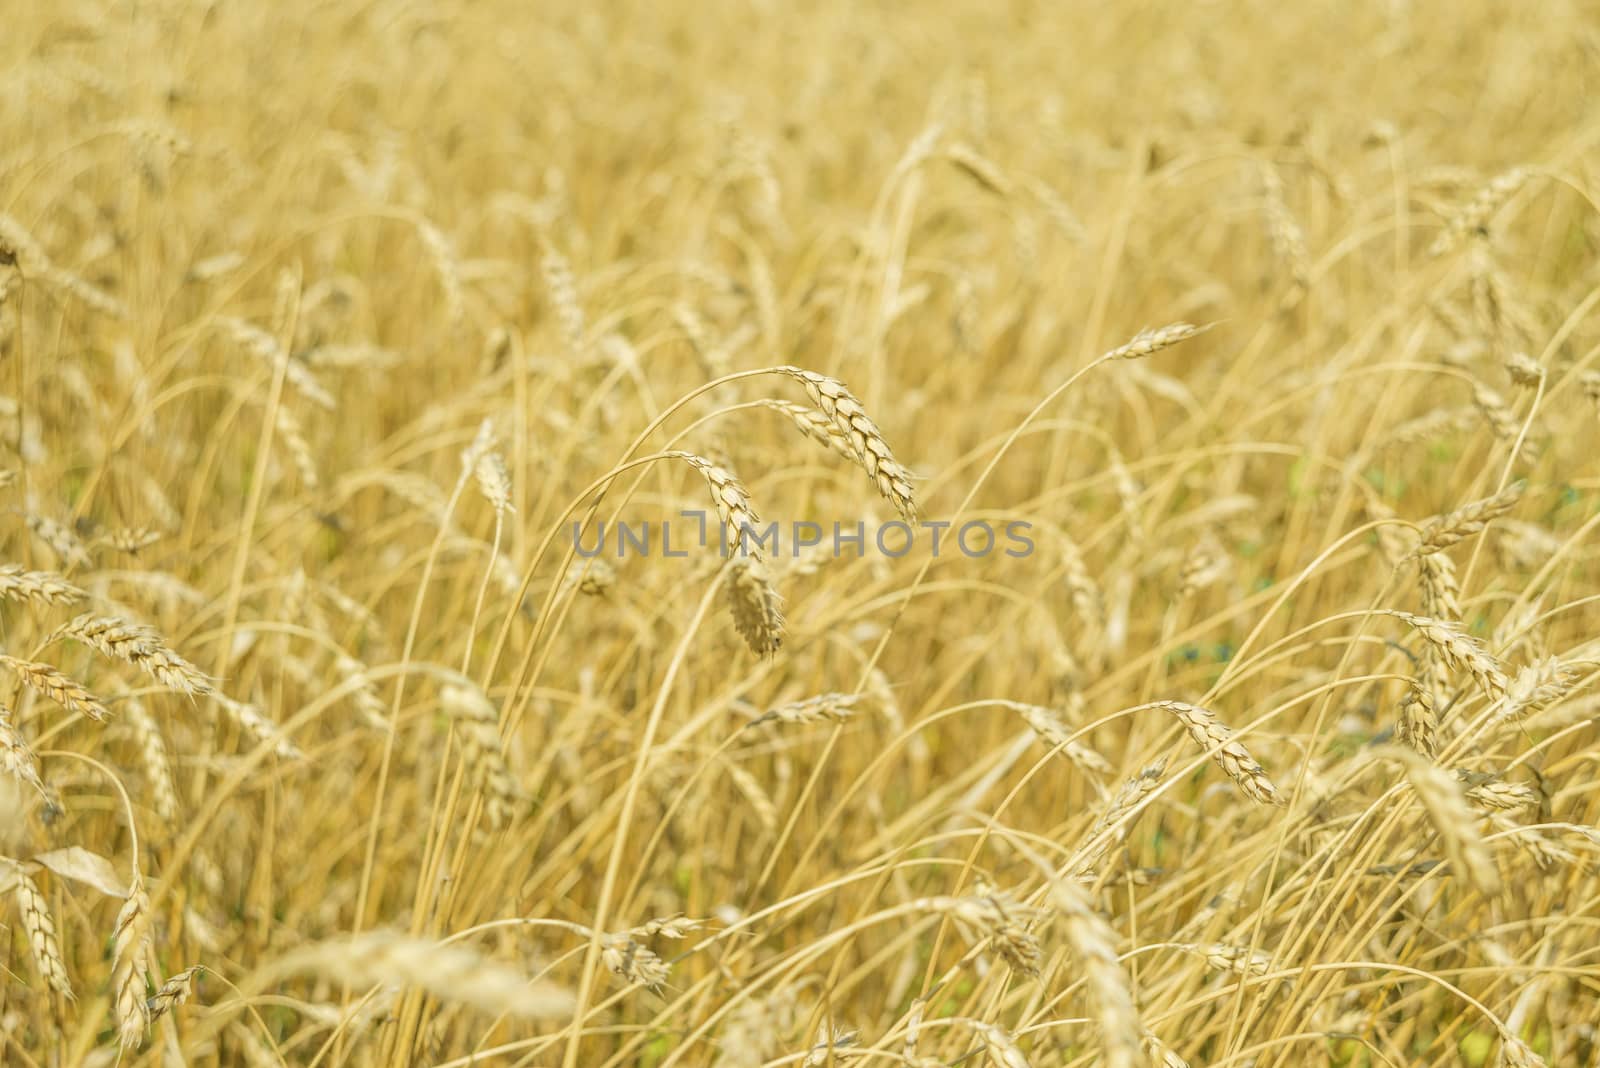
1052 729
1434 677
1432 425
59 540
675 927
633 962
734 511
1095 945
133 540
21 249
1534 686
1160 1054
1488 794
1469 519
1419 726
1151 341
293 436
40 587
17 758
1453 819
755 606
487 467
1232 757
1590 380
823 708
759 801
130 966
173 993
1087 599
1496 412
1441 593
452 972
139 645
815 425
1001 920
40 928
1473 218
61 689
1524 370
264 347
866 442
478 727
368 703
1000 1046
157 767
1515 1053
446 267
256 725
1288 239
1125 800
1206 564
1460 651
1240 960
563 291
1128 493
829 1039
493 480
979 168
592 577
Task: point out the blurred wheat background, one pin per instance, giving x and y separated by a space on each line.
321 325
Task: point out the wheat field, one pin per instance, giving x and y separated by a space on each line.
1157 449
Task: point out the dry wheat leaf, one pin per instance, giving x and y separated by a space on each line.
91 869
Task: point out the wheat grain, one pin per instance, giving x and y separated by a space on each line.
1419 726
866 442
173 993
1469 519
257 726
452 972
1460 651
61 689
1452 818
755 606
41 587
40 929
265 348
1050 727
1473 218
130 966
157 766
1148 342
823 708
61 541
1240 960
139 645
1230 756
477 726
